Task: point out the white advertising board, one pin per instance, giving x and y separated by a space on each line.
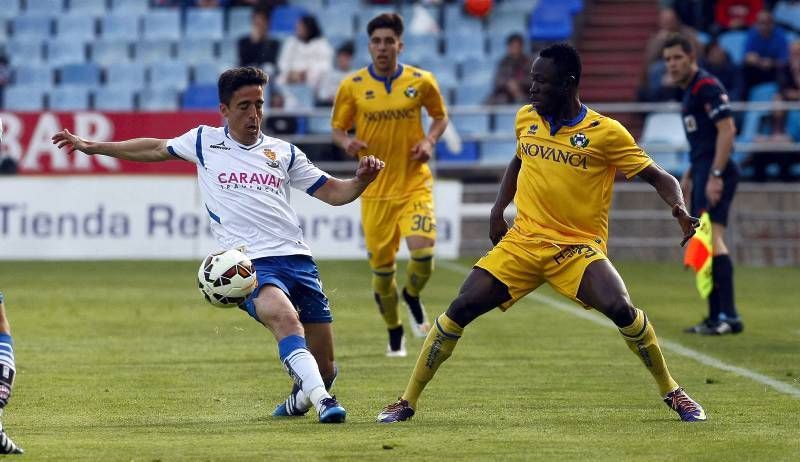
162 217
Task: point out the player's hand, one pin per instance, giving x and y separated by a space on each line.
422 151
74 143
368 168
498 227
688 223
713 190
354 147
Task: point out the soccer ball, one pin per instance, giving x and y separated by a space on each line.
226 278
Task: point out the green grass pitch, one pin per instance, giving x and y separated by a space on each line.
125 361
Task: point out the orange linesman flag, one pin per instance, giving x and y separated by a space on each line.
698 256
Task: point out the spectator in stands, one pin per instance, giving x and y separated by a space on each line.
789 90
719 64
278 124
258 49
512 79
766 51
737 14
329 82
668 23
306 56
263 5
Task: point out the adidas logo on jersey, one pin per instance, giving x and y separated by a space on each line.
220 145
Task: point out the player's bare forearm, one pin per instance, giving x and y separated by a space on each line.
137 149
665 184
340 192
508 187
726 132
340 137
350 146
438 126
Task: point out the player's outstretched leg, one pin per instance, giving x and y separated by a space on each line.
603 289
418 272
7 373
298 404
385 288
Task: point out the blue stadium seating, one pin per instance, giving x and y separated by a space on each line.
79 75
468 153
69 99
137 7
365 14
471 124
88 7
497 152
320 125
335 22
75 27
471 94
158 99
479 75
197 49
502 24
504 122
238 22
548 23
733 42
28 98
114 99
44 7
207 72
200 97
204 23
302 95
107 52
24 51
310 5
31 27
787 13
793 125
763 92
120 27
152 52
33 76
9 9
172 74
459 24
162 25
60 52
126 75
461 47
283 20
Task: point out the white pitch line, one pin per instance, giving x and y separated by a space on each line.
667 344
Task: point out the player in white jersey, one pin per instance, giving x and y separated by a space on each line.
244 178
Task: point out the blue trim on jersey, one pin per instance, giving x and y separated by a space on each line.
198 146
555 127
289 344
173 153
213 215
318 184
387 81
260 140
291 161
6 338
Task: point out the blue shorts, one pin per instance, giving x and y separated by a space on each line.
297 276
730 179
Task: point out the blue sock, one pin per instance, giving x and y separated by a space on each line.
290 343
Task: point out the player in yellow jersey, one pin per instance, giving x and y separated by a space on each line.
561 180
383 101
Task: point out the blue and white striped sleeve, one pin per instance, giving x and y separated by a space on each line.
303 174
188 146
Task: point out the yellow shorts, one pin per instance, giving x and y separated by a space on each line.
386 221
523 265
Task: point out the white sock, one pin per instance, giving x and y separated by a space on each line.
300 364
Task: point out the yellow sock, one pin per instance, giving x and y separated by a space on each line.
419 270
641 339
437 348
385 288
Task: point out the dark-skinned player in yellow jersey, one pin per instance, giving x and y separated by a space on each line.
561 180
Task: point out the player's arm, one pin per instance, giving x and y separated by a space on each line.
670 191
351 145
726 132
339 192
137 149
342 117
498 226
423 150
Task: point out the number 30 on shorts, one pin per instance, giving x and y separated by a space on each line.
422 223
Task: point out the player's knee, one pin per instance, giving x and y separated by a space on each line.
620 310
283 323
463 310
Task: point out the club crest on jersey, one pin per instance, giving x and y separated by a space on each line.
579 140
532 129
369 94
272 158
410 92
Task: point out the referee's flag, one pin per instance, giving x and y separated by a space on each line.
698 256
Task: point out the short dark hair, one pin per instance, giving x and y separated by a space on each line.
347 48
678 39
515 37
391 21
236 78
566 59
312 26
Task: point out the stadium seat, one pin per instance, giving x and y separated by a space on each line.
204 23
158 99
114 99
196 50
505 23
550 24
238 22
9 9
664 128
88 7
80 75
27 98
467 154
471 124
574 6
207 72
787 13
751 125
420 48
33 76
69 99
24 51
443 70
793 125
44 7
521 7
108 52
134 7
461 47
61 52
310 5
126 75
162 24
200 97
283 20
172 74
337 23
75 27
497 152
763 92
319 125
478 76
29 27
471 94
120 27
152 52
504 122
365 13
734 42
298 96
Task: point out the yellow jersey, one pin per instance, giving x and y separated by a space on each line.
567 175
386 115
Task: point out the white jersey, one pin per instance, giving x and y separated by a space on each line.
245 189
